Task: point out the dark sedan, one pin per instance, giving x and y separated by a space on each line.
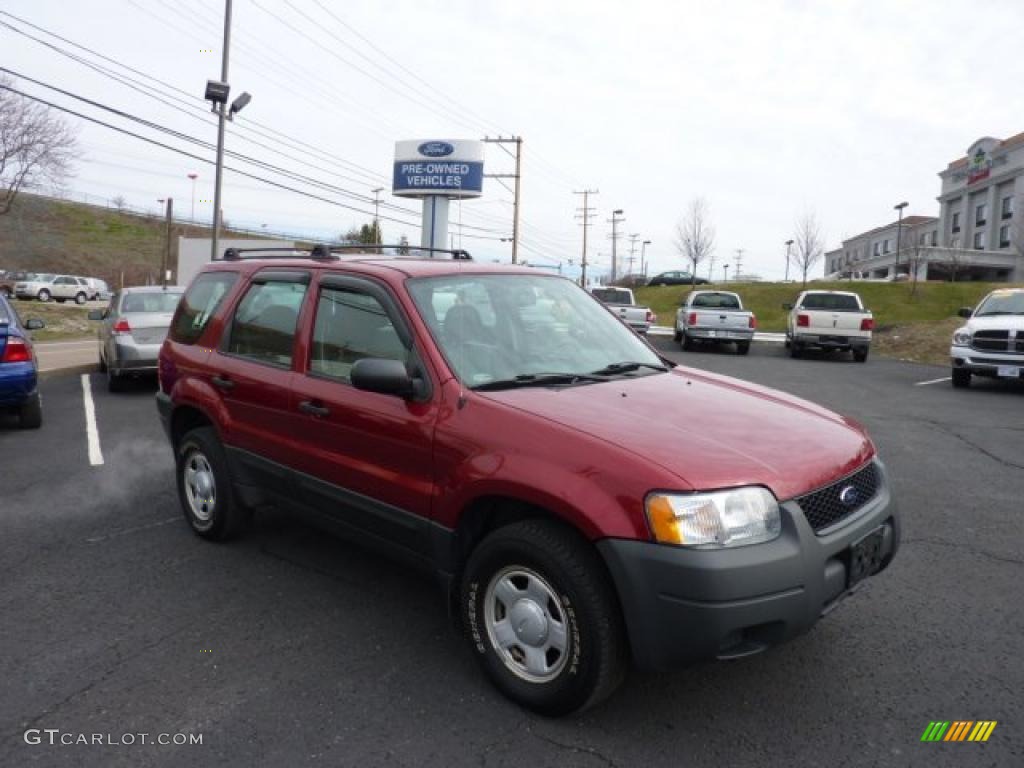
677 278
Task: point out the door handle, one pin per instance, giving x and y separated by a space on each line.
310 407
223 383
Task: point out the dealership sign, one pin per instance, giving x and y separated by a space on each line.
446 168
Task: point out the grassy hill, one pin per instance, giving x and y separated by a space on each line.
42 234
911 326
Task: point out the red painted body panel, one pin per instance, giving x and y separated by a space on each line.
589 454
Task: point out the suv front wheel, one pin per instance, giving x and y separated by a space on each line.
543 618
204 486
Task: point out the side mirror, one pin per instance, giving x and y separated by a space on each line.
787 306
387 377
97 314
34 324
965 311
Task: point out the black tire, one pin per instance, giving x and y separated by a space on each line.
103 365
5 292
860 355
961 378
198 448
687 343
742 347
30 415
594 660
796 351
80 298
115 382
43 295
677 336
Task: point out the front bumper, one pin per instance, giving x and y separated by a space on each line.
719 334
1001 364
684 605
824 341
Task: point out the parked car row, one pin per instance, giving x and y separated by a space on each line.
47 286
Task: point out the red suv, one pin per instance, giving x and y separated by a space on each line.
582 500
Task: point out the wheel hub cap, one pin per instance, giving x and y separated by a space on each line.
530 624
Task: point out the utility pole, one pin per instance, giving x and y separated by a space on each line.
193 176
166 260
615 220
789 245
739 264
643 257
632 250
222 114
586 214
518 141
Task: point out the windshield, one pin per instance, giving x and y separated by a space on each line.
42 278
498 327
1002 303
150 302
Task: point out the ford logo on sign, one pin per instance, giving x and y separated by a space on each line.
435 149
849 496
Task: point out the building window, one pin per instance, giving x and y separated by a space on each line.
878 248
1004 236
956 222
979 214
935 237
921 238
1007 210
885 246
979 241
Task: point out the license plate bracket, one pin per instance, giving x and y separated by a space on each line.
865 557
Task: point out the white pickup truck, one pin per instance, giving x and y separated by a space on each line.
991 343
622 304
829 320
714 317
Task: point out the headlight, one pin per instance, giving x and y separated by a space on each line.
962 337
713 520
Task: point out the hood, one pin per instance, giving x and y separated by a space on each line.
708 431
996 322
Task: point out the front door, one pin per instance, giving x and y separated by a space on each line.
367 458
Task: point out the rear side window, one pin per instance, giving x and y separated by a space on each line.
264 325
200 303
831 301
611 296
716 301
351 326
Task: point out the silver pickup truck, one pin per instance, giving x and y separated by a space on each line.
622 304
714 317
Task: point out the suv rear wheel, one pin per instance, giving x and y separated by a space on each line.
543 617
204 486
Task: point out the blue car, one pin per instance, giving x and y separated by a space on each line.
18 390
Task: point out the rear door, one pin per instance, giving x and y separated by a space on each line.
367 457
251 369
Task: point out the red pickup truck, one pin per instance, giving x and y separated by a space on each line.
583 501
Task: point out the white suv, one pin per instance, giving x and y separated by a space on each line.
59 287
992 341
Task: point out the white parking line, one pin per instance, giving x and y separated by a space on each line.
933 381
92 434
126 531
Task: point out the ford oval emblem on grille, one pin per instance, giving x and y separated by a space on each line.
435 148
849 496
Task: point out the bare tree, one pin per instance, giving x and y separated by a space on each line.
809 244
695 236
956 259
915 251
36 147
120 203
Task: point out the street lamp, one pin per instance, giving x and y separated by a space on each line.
217 92
899 231
643 251
725 273
193 176
789 244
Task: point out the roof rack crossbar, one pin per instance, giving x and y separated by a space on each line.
327 252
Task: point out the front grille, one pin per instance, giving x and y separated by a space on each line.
991 341
824 509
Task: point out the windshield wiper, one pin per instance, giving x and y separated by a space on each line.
538 380
626 367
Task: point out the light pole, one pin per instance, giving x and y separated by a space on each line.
615 220
899 231
217 94
643 255
725 273
193 176
789 245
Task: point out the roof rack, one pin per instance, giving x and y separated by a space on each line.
328 252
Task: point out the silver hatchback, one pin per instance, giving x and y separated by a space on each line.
132 330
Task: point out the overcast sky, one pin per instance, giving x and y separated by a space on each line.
766 109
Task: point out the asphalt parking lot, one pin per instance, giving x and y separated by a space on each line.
290 648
